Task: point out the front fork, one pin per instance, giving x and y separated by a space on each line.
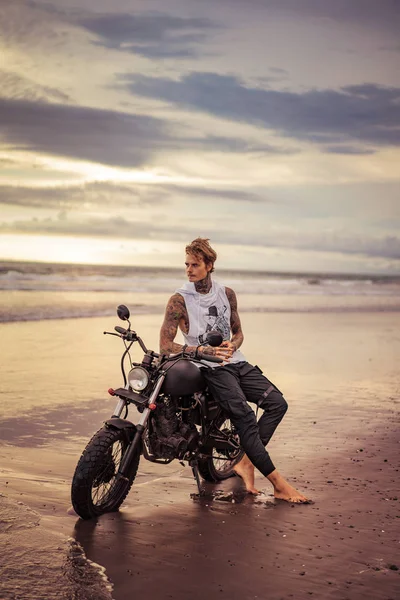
127 460
119 408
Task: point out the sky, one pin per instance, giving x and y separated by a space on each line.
272 127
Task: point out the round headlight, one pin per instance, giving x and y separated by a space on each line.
138 379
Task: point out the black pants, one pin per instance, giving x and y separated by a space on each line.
233 386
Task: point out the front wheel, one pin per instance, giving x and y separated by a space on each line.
96 486
219 465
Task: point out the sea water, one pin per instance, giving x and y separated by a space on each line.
36 291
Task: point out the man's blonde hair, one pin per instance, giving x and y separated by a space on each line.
200 248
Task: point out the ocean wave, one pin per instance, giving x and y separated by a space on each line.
38 291
39 563
44 314
152 283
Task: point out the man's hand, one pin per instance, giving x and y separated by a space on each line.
224 351
229 345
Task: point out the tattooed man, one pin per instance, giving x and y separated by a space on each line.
234 383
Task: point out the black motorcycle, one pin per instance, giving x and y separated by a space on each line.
179 420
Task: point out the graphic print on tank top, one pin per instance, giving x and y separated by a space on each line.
207 312
216 321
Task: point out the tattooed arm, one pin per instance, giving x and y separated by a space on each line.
175 315
236 327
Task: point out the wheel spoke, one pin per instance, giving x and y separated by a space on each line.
223 460
105 480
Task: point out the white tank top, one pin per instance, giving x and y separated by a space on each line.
208 312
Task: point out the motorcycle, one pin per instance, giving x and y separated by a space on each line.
179 419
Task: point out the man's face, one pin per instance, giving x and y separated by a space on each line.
196 268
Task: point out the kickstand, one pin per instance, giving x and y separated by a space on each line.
195 471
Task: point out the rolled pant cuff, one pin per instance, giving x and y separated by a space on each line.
269 467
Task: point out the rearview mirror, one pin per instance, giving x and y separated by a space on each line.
123 312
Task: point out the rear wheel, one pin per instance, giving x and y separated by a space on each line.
220 464
96 486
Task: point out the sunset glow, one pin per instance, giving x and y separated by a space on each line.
269 127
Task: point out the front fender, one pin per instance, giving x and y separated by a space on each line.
117 423
131 435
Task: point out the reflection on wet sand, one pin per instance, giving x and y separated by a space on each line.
187 549
165 545
36 427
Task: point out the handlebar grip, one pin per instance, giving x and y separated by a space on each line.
210 357
120 330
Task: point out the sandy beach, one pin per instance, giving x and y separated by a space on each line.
338 443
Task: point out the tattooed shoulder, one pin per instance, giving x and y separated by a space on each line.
231 297
176 312
176 307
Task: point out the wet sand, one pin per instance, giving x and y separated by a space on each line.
338 443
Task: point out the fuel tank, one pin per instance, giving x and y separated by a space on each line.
183 378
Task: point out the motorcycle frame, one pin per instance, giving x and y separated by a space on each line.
135 432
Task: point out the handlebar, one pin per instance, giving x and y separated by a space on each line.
120 330
196 355
209 357
128 336
131 336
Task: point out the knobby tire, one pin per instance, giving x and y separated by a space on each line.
215 469
96 489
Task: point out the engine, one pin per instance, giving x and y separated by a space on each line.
172 431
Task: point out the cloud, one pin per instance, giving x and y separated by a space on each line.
28 196
386 246
22 88
64 225
383 15
366 113
29 27
232 144
217 193
153 35
390 48
345 149
97 135
383 247
94 194
103 194
104 136
8 162
278 70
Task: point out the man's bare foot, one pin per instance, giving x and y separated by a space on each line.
245 470
284 491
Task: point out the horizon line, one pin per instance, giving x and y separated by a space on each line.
302 274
